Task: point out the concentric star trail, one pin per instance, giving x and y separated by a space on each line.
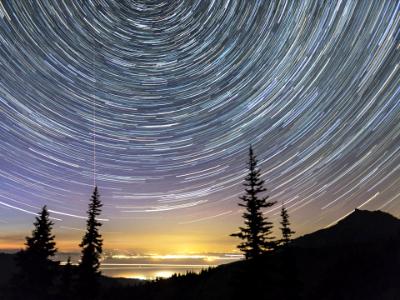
173 93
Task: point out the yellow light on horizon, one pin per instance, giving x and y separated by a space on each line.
137 276
210 258
163 274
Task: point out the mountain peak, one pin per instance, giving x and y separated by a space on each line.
361 226
369 218
369 213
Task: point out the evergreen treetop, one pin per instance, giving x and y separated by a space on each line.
256 234
92 243
287 232
36 268
42 241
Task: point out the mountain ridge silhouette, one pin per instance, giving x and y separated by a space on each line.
361 226
356 258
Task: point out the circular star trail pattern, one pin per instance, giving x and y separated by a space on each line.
180 90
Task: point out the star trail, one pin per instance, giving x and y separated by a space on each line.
180 89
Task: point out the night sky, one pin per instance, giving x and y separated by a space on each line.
174 92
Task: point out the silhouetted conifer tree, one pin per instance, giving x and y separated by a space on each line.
256 234
287 232
36 267
290 284
66 280
92 248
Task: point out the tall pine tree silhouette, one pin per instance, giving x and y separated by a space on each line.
35 263
66 280
287 232
256 234
290 282
92 248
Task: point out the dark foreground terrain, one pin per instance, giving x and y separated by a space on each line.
358 258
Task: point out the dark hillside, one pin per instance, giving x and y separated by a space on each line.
358 258
361 226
